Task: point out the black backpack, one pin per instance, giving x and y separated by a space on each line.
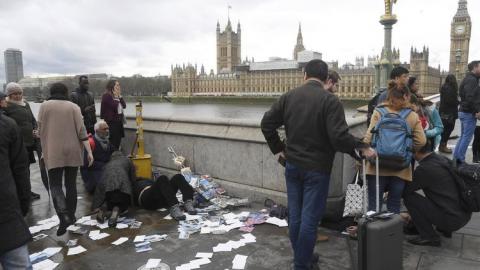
467 178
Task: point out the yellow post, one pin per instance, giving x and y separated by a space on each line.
142 161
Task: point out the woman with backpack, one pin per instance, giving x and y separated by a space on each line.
395 167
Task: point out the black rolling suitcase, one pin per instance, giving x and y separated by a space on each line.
380 238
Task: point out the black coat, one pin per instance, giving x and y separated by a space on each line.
315 127
25 120
85 101
118 174
470 94
448 102
91 175
14 187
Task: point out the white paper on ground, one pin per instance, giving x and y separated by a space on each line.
102 226
277 221
239 262
75 250
191 217
93 233
73 228
207 255
152 263
167 217
120 241
51 251
139 238
45 265
200 261
229 216
121 226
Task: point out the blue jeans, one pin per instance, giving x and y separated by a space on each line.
16 259
307 193
468 122
394 185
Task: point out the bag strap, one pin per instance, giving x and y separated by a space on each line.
382 110
404 113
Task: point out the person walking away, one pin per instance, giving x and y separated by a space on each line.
448 110
469 110
476 143
63 137
393 180
14 195
111 111
19 110
84 99
315 127
102 150
440 206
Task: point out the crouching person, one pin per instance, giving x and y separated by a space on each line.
440 206
161 193
102 150
114 191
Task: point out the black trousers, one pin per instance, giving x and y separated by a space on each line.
162 194
448 127
65 204
116 133
37 147
117 198
476 141
425 214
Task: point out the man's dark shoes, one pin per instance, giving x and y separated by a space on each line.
112 221
419 241
65 221
410 230
188 205
34 196
445 233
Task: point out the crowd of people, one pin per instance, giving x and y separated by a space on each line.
66 136
316 130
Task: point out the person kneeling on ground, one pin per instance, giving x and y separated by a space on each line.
441 206
114 191
161 193
102 150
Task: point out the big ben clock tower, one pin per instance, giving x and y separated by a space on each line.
460 33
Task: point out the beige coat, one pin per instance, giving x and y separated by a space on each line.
62 131
419 141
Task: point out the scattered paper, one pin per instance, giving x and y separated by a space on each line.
136 225
39 236
142 247
168 217
121 226
96 235
72 243
103 225
120 241
44 254
239 262
277 221
45 224
155 238
152 263
204 255
75 250
45 265
72 228
139 238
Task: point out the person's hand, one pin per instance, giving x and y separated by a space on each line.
90 159
282 155
369 153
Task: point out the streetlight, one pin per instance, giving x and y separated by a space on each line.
458 57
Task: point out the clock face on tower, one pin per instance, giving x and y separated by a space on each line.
460 29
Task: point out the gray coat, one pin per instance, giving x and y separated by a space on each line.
118 174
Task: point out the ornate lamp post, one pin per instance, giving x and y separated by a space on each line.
458 57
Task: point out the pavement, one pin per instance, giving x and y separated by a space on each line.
271 251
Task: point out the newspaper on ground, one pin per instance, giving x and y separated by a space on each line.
152 263
75 250
239 262
120 241
44 225
45 265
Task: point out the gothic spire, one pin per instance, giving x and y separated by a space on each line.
299 35
462 10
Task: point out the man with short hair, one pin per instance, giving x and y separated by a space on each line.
316 129
440 205
102 151
332 81
469 111
398 74
84 99
14 196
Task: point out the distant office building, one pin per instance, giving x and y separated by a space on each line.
13 65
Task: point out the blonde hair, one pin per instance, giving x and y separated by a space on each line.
396 99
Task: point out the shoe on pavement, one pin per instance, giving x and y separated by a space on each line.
419 241
176 212
112 221
188 205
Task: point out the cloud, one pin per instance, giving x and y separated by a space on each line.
125 37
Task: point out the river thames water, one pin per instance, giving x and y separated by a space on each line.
224 111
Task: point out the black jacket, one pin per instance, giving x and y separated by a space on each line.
85 99
315 127
448 102
470 94
25 120
14 187
438 185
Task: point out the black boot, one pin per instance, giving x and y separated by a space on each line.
475 157
65 221
112 221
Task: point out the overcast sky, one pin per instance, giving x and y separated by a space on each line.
125 37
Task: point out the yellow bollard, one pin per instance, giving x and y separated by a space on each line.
142 161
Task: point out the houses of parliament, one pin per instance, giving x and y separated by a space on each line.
274 77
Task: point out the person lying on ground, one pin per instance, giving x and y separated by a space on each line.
114 191
161 193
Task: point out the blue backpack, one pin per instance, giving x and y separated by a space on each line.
392 139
